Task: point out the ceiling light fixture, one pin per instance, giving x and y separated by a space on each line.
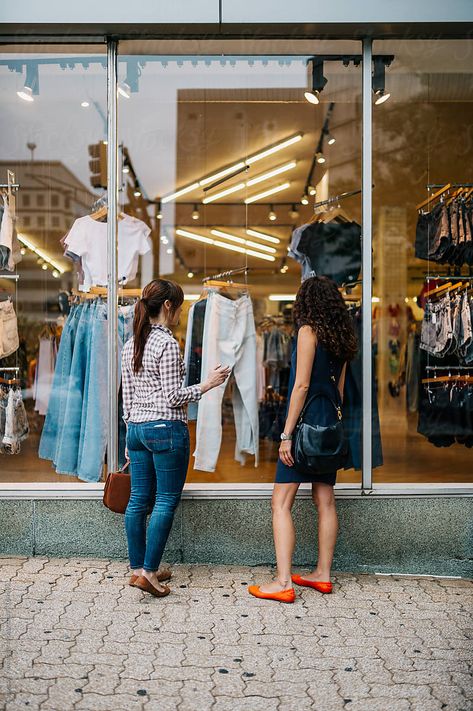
379 79
305 199
318 81
293 213
320 157
223 193
224 245
190 274
235 167
39 252
282 297
311 190
272 215
240 240
84 104
331 139
137 192
266 193
195 213
271 173
262 235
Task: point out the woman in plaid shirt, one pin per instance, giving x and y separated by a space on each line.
155 411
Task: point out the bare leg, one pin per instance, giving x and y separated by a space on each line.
284 535
324 499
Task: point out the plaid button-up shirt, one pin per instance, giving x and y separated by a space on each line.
156 392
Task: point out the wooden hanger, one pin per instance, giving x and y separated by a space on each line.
11 381
438 289
103 212
434 196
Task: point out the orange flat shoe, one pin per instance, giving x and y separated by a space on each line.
288 595
315 584
143 584
162 577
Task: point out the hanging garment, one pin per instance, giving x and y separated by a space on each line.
445 234
44 374
230 339
9 341
412 371
75 429
10 249
331 249
87 239
447 327
14 422
193 350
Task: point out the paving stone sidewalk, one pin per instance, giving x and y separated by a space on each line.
74 635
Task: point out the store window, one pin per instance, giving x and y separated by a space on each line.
222 157
423 258
53 107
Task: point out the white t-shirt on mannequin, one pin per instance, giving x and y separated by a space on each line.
88 239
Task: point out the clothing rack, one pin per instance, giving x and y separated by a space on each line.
437 186
451 368
336 198
9 370
12 186
15 277
225 275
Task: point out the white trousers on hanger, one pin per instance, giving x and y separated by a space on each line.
229 339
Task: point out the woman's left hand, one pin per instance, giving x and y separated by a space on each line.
285 453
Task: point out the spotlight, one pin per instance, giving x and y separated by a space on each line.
31 86
40 261
331 139
169 251
22 251
126 168
293 213
159 213
137 191
272 215
305 199
55 273
318 81
44 267
195 213
84 104
311 190
320 158
124 90
190 274
379 79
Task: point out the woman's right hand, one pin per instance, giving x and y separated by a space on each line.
216 377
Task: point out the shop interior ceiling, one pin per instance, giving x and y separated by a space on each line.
217 126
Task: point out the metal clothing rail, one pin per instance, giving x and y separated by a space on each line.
451 368
336 198
9 370
14 277
437 186
225 275
12 186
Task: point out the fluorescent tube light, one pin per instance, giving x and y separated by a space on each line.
178 193
40 253
261 235
240 240
222 193
192 235
266 193
271 173
282 297
222 173
274 149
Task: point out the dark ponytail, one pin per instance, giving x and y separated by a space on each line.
149 306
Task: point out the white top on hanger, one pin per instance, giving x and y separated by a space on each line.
88 239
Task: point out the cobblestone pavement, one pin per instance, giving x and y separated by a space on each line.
74 635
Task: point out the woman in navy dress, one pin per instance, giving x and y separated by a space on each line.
326 341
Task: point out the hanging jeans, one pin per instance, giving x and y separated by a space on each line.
159 457
229 339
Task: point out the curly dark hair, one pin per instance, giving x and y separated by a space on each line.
320 305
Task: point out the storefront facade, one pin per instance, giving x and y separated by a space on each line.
201 135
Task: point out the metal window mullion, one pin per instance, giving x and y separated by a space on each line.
367 215
112 257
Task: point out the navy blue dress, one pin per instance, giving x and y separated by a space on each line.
325 366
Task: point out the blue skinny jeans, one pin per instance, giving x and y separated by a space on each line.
159 457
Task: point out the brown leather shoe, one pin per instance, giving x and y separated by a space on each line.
143 584
162 576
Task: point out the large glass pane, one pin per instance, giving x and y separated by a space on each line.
423 241
53 108
220 148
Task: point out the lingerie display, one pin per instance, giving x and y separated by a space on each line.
445 234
